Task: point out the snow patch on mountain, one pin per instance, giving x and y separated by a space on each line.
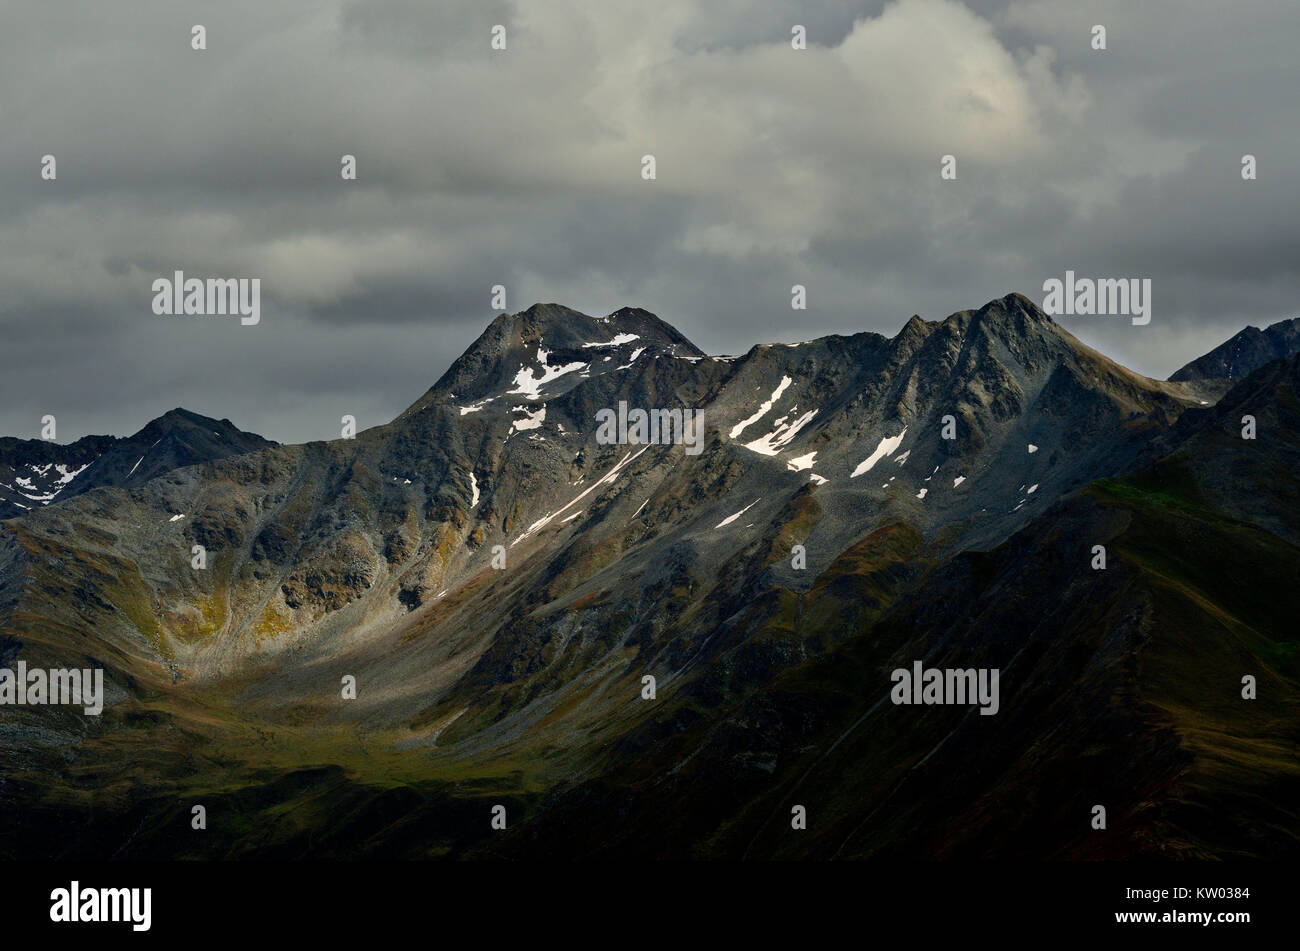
618 340
635 353
762 410
528 384
66 475
731 518
531 420
888 446
780 437
799 463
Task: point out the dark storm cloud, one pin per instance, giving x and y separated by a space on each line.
521 168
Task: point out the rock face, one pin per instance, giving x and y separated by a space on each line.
499 579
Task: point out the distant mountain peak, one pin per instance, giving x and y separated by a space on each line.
1014 305
546 313
1245 352
181 420
544 338
633 313
34 473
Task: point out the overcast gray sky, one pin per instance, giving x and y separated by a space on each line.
523 168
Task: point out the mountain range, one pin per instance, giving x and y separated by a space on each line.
499 582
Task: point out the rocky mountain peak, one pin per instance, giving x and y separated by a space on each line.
1244 353
520 355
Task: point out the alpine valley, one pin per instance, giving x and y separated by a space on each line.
499 582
